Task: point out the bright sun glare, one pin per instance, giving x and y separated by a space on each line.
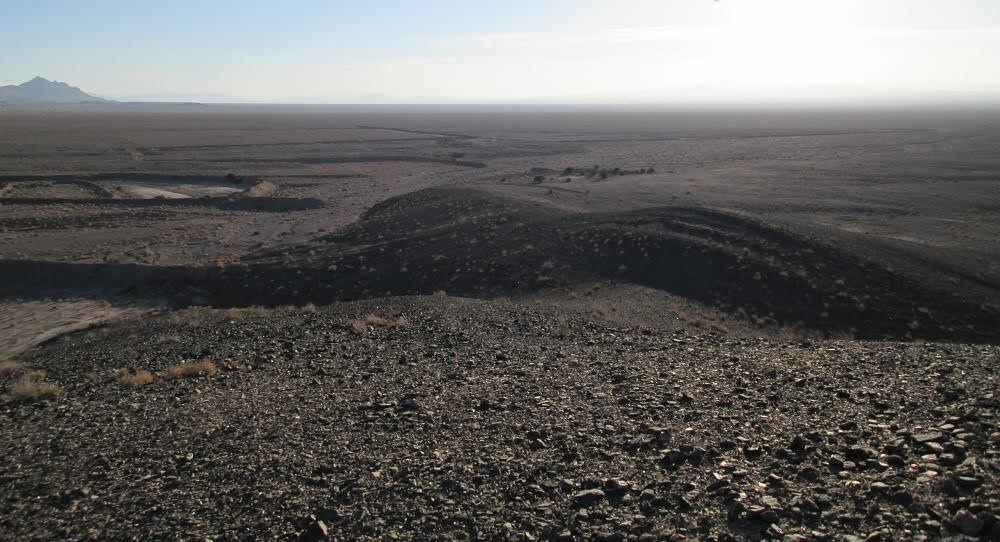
636 51
780 42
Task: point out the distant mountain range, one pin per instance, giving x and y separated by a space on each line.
41 90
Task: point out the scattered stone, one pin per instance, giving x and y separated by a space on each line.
894 461
930 436
901 497
588 497
966 522
599 455
858 453
409 403
316 531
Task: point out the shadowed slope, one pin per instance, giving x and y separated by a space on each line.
473 243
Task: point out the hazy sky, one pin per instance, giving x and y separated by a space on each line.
580 51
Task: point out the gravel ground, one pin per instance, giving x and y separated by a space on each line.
499 421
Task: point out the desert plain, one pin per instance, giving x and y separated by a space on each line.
499 323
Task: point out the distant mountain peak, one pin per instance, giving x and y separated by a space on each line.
42 90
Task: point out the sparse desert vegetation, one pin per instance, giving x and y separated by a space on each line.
8 368
135 379
362 325
33 385
191 369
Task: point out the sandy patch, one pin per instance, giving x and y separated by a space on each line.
146 192
24 324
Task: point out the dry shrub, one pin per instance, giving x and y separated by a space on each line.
136 379
192 368
8 368
599 309
721 328
378 321
32 385
359 326
362 326
563 325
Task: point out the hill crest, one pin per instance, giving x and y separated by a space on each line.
41 90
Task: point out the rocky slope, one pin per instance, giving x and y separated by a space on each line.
451 418
476 243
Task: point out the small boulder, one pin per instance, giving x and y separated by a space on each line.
966 522
588 497
316 531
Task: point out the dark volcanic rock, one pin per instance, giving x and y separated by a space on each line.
421 431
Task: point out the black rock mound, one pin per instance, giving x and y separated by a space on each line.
472 243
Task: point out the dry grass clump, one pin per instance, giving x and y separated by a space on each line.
192 368
601 310
32 385
310 308
359 326
373 320
562 328
8 368
370 321
135 379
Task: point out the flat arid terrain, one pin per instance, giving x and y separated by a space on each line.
473 323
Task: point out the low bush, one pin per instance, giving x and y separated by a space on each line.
190 369
135 379
32 385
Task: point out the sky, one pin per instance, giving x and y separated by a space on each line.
509 51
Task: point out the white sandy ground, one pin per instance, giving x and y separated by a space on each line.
199 190
176 191
145 192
